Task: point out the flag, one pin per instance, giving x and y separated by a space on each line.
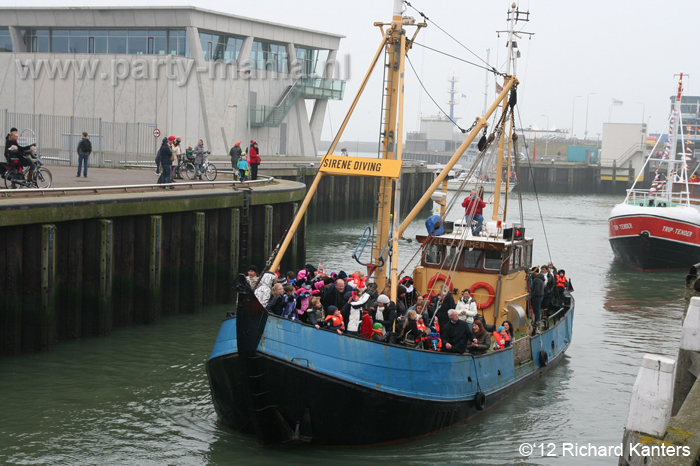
499 88
616 102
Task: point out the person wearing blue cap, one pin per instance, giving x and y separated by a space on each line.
500 338
165 160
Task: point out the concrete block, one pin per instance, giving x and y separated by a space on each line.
652 396
690 334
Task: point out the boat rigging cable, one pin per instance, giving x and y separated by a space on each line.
428 20
534 187
431 97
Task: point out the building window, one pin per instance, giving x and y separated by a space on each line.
311 61
5 40
220 46
269 56
132 41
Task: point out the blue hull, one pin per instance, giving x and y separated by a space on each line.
300 384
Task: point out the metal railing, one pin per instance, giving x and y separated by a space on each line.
57 138
306 87
638 147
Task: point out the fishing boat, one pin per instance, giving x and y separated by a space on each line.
288 382
463 182
658 227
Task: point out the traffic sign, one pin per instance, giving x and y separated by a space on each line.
156 133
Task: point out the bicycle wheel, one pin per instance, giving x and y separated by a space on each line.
42 178
210 172
189 171
10 178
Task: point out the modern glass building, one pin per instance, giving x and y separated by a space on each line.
188 71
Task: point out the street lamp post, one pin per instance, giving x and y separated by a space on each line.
547 128
585 132
643 110
573 105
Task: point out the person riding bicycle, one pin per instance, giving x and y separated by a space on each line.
24 154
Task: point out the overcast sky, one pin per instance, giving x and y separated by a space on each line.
597 49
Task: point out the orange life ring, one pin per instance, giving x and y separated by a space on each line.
487 287
436 277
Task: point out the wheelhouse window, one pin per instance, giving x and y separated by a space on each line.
492 260
527 256
472 258
433 254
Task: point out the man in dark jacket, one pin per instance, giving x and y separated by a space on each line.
448 302
457 334
235 154
537 293
165 159
335 296
549 284
84 151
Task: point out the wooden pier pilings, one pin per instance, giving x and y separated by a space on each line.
79 266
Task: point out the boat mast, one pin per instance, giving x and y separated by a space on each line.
387 208
395 44
514 15
673 149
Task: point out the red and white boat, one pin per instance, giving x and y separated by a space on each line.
658 228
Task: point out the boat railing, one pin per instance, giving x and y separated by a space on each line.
645 197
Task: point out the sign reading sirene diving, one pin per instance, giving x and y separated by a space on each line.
360 166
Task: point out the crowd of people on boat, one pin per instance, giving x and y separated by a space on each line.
547 286
349 305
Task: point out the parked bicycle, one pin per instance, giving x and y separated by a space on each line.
184 166
208 169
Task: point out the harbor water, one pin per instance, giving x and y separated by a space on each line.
141 395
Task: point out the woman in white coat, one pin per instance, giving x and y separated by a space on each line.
466 308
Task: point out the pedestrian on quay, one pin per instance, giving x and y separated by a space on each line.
165 159
254 159
235 154
84 151
198 159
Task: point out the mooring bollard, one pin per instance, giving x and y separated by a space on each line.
688 365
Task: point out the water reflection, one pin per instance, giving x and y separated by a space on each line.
648 307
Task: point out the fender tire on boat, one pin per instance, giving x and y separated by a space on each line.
487 287
544 359
479 401
436 277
